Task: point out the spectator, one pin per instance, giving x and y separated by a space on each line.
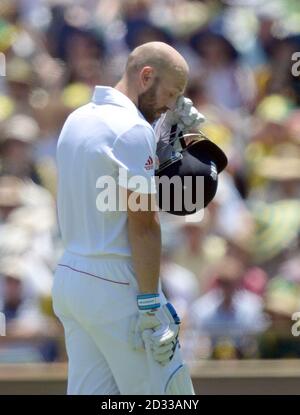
228 84
28 332
19 133
281 302
228 315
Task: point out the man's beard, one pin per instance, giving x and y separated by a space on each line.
147 103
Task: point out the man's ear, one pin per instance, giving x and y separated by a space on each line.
146 77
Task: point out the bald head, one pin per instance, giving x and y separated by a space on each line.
160 56
155 76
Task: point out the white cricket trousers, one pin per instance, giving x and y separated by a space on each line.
95 300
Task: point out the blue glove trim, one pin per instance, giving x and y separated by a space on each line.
147 295
149 307
173 313
148 301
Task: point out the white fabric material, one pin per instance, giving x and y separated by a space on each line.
96 141
171 379
180 383
96 315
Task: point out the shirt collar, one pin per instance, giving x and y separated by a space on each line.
108 95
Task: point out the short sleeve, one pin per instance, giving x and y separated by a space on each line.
134 152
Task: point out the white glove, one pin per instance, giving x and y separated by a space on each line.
186 118
164 322
163 345
185 115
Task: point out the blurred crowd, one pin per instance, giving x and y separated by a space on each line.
233 275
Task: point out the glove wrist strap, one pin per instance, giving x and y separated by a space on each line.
148 302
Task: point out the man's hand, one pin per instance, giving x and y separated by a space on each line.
184 115
164 322
171 125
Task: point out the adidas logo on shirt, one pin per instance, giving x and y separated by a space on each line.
149 163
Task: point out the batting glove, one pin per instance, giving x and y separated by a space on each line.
164 322
171 125
184 115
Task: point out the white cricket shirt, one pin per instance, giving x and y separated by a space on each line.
98 140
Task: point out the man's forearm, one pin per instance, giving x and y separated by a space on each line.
145 244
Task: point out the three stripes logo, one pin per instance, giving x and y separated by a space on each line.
149 165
